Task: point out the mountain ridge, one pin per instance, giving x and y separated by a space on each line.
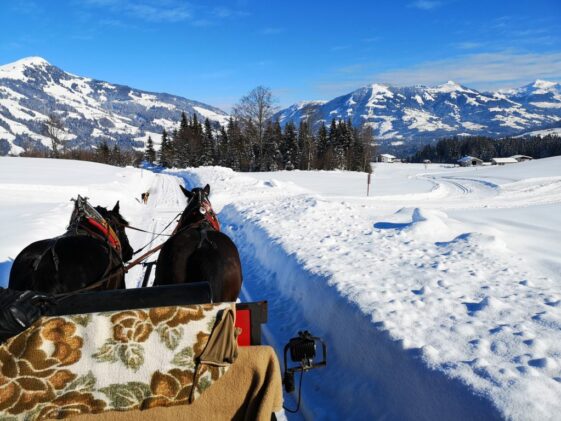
91 110
422 112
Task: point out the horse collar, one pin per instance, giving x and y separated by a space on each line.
106 231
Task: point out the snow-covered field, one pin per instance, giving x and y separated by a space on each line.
439 296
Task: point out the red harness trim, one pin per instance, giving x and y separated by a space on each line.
210 216
107 232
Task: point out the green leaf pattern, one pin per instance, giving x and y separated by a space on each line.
184 358
131 357
170 336
126 395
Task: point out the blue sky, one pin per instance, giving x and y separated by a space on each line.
217 51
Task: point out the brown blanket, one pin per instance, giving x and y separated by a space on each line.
250 390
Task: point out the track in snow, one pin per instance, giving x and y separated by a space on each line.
165 202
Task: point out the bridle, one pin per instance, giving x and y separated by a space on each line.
204 208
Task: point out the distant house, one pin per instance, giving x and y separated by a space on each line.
386 157
503 161
522 158
469 161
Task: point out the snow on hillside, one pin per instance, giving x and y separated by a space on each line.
91 110
439 296
552 132
421 112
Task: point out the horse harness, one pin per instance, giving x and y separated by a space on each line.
87 221
203 226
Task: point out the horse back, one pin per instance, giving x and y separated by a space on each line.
191 257
60 265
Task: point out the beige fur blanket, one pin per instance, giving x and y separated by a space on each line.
250 390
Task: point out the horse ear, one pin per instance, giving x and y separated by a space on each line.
207 189
186 192
116 207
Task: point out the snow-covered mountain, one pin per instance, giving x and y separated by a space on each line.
91 110
422 112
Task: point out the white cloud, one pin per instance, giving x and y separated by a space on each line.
479 69
483 71
425 4
171 11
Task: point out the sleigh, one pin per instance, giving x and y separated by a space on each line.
147 353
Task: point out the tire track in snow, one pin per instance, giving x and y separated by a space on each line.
165 201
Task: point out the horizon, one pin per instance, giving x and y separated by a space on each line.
303 53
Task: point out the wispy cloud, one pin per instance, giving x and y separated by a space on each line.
166 11
425 4
351 69
488 69
226 12
27 7
148 10
468 45
151 13
272 30
480 71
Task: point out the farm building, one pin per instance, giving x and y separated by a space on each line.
469 161
522 158
386 157
503 161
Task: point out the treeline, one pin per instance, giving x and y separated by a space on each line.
244 145
103 154
451 149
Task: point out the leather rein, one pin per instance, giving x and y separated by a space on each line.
205 209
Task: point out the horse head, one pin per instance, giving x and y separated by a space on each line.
118 224
198 208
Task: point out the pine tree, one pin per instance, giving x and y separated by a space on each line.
181 145
207 150
323 147
115 157
150 153
103 152
306 146
166 151
271 157
235 143
330 159
291 152
225 157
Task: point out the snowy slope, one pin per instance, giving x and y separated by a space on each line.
450 109
439 295
92 110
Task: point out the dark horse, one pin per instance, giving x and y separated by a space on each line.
91 252
199 252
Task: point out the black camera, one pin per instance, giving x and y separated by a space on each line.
302 351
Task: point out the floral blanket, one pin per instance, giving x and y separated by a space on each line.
134 359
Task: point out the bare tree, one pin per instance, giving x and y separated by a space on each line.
253 111
54 129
